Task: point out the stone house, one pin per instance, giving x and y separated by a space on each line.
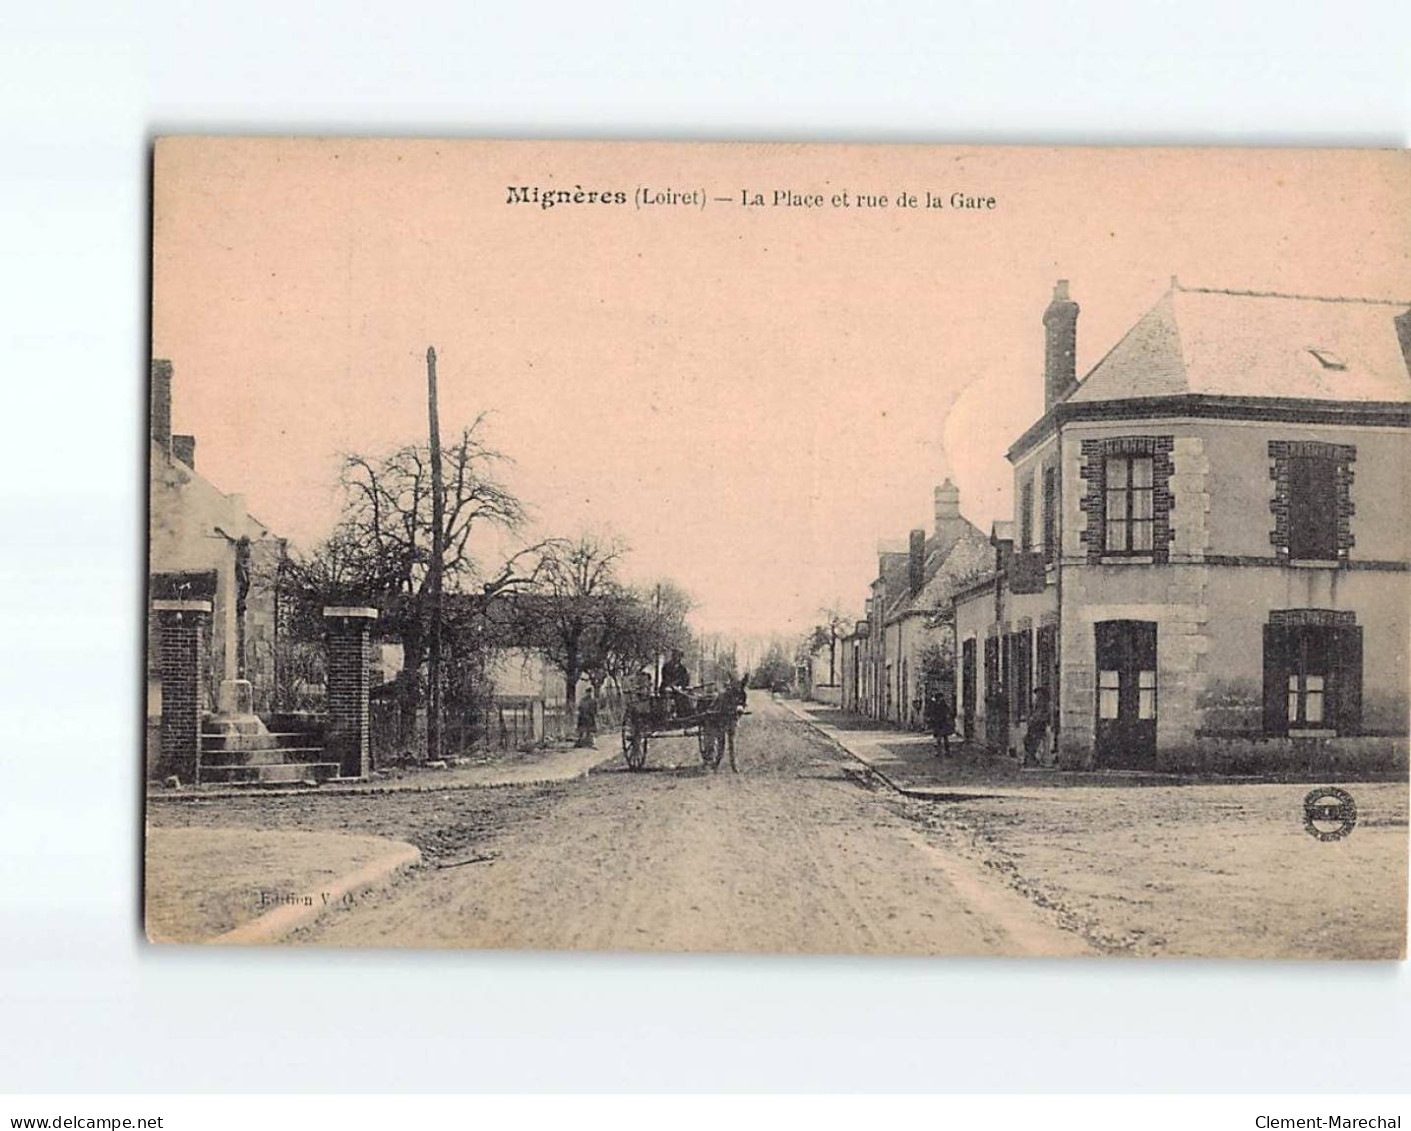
854 688
908 611
204 546
1208 560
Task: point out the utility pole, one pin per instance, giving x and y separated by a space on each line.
433 580
656 607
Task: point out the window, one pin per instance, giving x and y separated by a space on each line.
1312 672
1026 515
1127 500
1146 695
1050 514
1313 529
1305 704
1129 516
1109 688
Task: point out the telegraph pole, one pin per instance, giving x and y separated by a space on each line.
656 607
438 551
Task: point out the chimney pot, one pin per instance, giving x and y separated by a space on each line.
947 504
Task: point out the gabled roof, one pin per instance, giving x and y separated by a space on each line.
219 506
941 551
891 569
1247 344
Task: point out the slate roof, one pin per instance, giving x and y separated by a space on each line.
1247 344
895 571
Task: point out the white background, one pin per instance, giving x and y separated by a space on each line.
85 1005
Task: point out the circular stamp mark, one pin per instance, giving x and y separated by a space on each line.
1329 813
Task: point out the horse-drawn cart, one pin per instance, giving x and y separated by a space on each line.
707 713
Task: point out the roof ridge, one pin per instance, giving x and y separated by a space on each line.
1282 294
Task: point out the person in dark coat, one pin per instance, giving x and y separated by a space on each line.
1036 733
674 680
674 673
940 718
588 719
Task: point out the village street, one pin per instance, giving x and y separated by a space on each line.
792 854
804 851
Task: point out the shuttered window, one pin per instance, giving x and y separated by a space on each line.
1313 525
1050 514
1026 515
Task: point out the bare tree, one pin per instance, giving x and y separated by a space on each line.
575 598
640 625
380 552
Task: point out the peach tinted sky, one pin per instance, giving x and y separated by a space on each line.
751 397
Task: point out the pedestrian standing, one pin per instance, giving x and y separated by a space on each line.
1036 735
588 720
940 717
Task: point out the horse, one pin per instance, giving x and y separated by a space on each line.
718 731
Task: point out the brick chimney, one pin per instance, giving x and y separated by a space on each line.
1403 335
161 402
916 562
184 449
1060 345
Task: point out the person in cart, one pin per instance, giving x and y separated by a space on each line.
674 679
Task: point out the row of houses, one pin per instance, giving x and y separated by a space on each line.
1207 562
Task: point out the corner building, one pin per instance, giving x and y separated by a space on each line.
1207 566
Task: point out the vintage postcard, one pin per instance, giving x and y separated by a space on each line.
779 548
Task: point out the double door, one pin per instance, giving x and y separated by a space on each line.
1126 693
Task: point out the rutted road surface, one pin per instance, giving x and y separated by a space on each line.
791 855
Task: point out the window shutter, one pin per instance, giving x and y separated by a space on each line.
1347 685
1050 514
1276 678
1312 509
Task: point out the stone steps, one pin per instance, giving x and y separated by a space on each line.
281 773
268 740
274 756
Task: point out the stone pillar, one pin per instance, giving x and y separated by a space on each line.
349 681
183 626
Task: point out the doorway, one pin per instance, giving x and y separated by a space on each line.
1126 693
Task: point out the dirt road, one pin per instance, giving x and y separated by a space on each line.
791 855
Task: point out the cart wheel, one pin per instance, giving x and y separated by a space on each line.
703 741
